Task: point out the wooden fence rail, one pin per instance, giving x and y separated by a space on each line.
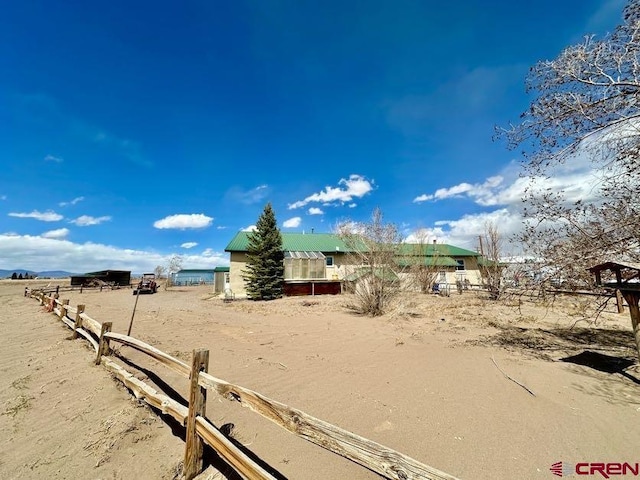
377 458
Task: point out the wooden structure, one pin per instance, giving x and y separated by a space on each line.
116 277
627 283
382 460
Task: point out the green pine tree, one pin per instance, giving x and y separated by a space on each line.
264 273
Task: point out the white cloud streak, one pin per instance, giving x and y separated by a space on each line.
189 245
53 158
248 197
356 186
315 211
72 202
87 220
184 221
48 216
483 193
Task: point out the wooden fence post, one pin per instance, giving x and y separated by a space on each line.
63 308
194 447
103 346
78 322
619 301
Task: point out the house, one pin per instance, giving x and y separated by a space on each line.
319 263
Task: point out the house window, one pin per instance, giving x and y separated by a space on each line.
443 277
304 265
460 264
329 261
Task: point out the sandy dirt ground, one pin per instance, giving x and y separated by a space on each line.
445 380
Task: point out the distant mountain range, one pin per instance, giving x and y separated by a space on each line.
45 274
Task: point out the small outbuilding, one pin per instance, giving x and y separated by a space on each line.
112 277
627 282
218 277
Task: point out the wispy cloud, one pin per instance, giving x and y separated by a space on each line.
59 233
292 222
72 202
47 108
315 211
248 197
189 244
53 158
129 149
87 220
250 228
48 216
184 221
356 186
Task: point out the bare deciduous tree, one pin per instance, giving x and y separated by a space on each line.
374 247
423 261
159 271
174 265
585 107
491 267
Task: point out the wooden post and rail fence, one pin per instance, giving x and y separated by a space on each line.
382 460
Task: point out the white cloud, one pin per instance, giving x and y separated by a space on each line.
59 233
250 228
189 244
292 222
464 232
483 193
48 216
87 220
72 202
52 158
315 211
38 253
355 186
184 221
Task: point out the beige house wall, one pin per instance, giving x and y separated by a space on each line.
236 266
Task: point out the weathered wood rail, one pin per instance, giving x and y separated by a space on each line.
199 430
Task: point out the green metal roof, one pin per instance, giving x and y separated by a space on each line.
329 242
435 250
221 269
380 272
295 242
435 261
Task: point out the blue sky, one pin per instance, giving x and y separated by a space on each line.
133 131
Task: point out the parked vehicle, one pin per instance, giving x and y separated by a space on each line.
147 284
